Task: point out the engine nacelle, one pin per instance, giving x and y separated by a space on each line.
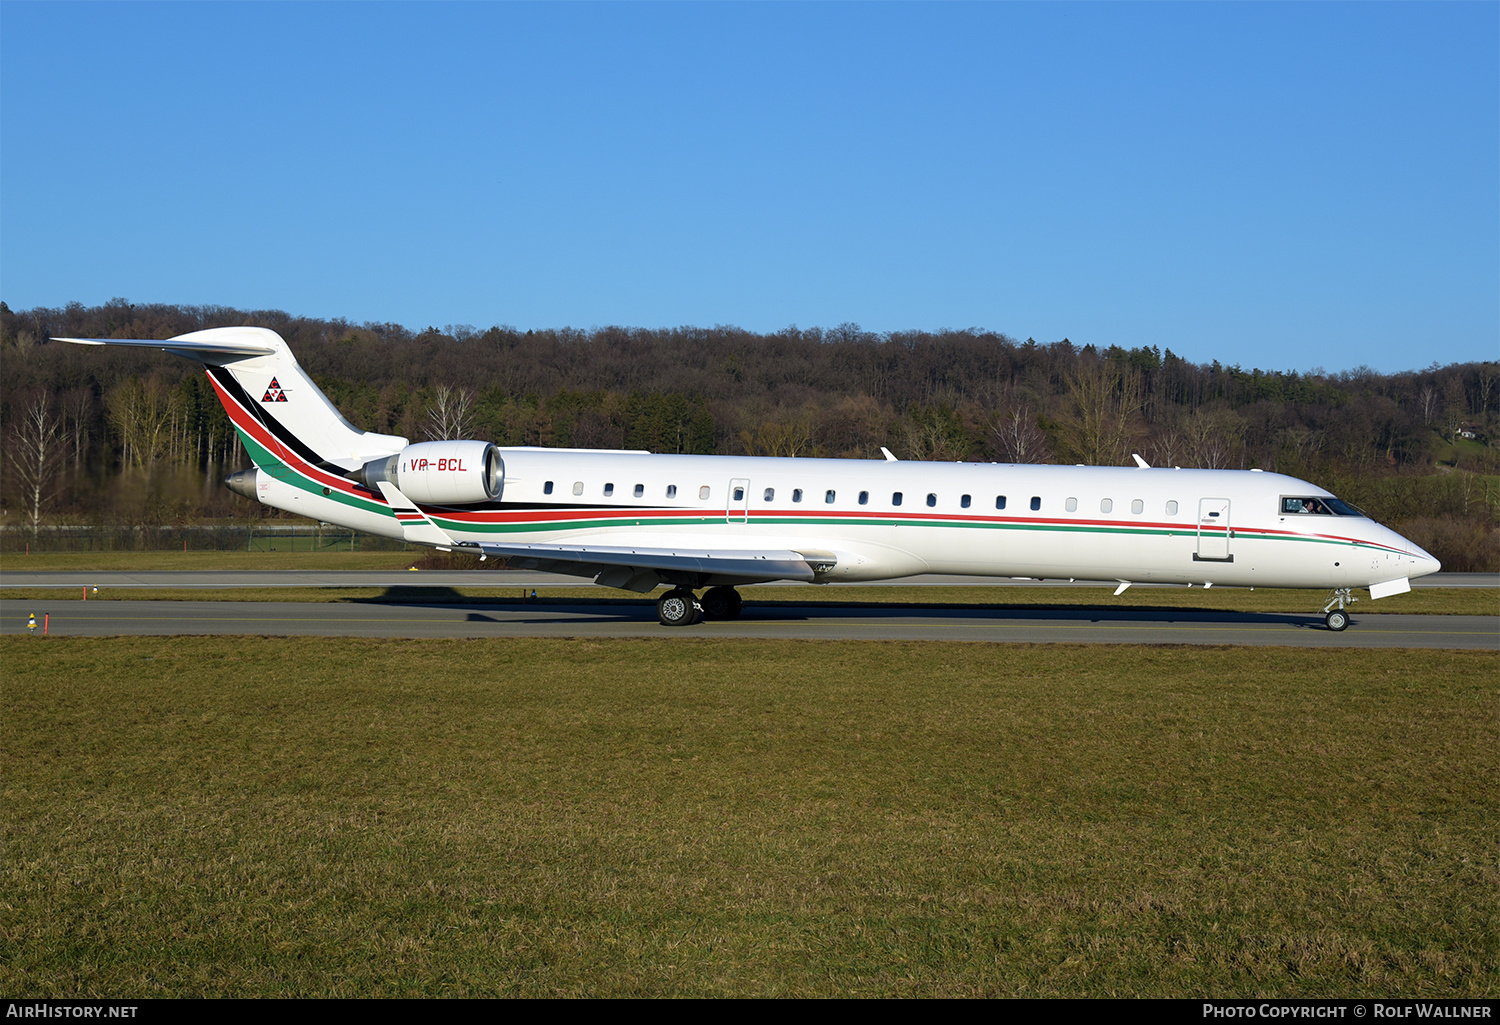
441 472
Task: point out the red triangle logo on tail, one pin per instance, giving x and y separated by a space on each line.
274 393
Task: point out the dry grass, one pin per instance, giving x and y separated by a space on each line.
530 817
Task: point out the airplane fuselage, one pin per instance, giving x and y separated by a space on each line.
886 519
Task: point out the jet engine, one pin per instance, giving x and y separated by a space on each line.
441 472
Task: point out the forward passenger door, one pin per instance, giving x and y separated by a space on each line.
1213 530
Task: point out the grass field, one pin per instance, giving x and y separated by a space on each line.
231 816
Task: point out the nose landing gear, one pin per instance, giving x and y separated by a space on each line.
1333 612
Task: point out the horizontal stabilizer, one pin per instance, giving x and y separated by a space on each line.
182 346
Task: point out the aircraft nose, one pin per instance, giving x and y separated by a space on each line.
1424 563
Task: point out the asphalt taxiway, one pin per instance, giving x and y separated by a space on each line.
503 579
595 614
393 618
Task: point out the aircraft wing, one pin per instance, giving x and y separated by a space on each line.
631 568
641 569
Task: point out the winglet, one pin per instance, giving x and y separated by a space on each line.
887 453
416 527
1139 461
1121 589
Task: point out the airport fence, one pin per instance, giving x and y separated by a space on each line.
257 537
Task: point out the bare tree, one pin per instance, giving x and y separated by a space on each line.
1215 435
1107 401
1017 437
1167 445
143 414
1302 444
450 417
1488 375
78 407
1429 404
789 434
37 457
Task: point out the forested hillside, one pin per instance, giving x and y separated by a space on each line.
99 436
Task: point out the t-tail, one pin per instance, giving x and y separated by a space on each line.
282 418
305 452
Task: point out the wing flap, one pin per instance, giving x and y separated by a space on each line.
720 564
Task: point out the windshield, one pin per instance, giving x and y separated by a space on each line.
1310 505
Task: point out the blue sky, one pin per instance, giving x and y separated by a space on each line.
1286 185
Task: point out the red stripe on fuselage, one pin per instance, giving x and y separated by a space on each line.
251 425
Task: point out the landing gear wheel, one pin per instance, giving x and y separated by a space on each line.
678 607
722 603
1334 614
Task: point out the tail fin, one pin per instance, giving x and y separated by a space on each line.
281 416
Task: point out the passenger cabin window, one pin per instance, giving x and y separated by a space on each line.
578 487
547 488
828 497
966 501
896 498
1137 507
609 489
864 498
999 501
671 490
1106 505
1071 505
1036 502
640 491
1172 508
796 494
703 493
931 500
770 495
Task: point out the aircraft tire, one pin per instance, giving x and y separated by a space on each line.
1337 620
678 607
722 603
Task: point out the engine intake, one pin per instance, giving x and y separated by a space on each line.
441 472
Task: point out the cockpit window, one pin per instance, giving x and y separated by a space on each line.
1310 505
1341 508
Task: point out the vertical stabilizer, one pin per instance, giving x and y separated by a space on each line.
282 416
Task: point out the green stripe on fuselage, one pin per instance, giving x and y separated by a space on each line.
615 521
265 460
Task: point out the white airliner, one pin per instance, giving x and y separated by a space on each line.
638 521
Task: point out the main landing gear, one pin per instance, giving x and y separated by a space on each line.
1336 618
679 607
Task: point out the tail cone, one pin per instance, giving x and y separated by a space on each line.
243 483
